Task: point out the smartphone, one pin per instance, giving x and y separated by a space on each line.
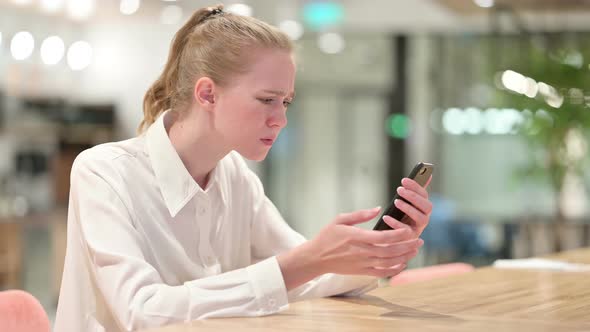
421 173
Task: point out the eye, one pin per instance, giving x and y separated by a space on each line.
269 101
266 101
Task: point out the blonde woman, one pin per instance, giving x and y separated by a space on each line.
172 226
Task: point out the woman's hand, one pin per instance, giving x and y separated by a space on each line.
418 211
342 248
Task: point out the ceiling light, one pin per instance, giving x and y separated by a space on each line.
484 3
331 43
22 45
171 14
129 7
80 9
240 9
51 6
293 29
79 55
52 50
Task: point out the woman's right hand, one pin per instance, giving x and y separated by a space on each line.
345 249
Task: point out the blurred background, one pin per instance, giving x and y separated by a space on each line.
494 93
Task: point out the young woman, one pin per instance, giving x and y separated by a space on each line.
172 226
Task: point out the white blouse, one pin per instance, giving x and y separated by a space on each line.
147 246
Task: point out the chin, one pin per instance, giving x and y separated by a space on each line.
253 155
258 159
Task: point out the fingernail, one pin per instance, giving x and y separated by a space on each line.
377 208
420 241
400 190
396 202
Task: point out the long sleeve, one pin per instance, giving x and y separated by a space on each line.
271 235
133 290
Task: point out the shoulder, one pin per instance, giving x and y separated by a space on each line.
108 159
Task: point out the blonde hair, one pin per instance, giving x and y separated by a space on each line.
214 44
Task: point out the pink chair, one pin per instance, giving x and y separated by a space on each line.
22 312
430 272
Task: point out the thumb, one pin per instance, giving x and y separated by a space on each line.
357 217
428 182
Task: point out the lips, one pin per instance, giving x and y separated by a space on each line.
267 141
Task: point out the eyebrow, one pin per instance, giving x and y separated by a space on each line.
279 93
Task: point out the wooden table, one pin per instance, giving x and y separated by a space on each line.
11 254
485 300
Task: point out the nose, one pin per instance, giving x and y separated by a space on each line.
278 119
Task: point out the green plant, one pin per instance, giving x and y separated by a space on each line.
555 102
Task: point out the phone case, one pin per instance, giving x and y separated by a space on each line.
421 173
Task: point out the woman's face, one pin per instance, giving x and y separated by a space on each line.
251 110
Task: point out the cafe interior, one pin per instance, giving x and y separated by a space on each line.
494 93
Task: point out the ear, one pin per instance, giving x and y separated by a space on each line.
204 93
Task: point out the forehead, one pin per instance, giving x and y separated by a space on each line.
269 70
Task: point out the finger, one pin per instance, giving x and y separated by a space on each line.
390 251
428 182
402 248
405 223
388 272
384 263
394 223
392 261
381 237
414 186
416 215
423 204
357 217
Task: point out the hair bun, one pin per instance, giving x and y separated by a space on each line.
213 12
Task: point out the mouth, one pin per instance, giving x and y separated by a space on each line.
267 141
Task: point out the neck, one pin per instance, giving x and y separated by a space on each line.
194 139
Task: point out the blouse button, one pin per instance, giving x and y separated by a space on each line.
202 211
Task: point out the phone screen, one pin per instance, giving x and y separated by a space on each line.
421 173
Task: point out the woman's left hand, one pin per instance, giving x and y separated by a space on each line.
418 211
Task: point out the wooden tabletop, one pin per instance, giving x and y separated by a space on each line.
488 299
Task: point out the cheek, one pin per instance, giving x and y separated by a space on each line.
251 115
241 118
245 121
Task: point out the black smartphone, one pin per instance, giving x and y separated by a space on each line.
421 173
